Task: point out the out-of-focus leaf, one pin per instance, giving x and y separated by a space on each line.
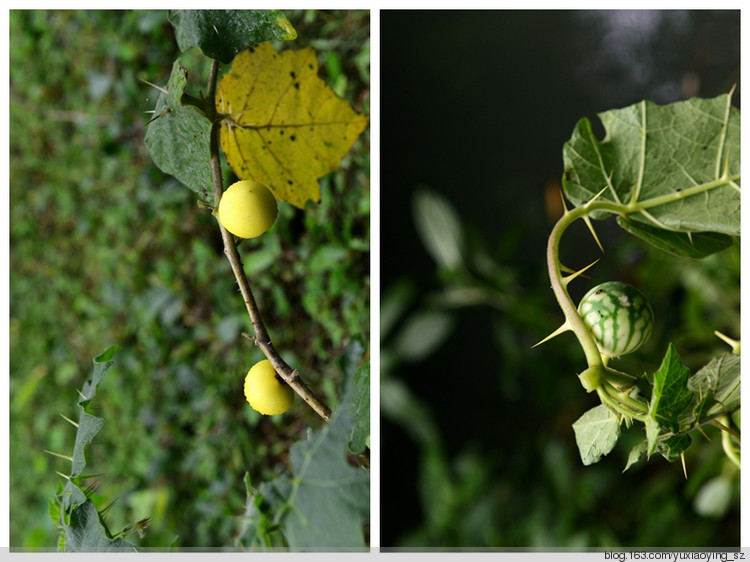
438 227
221 34
714 497
422 333
394 301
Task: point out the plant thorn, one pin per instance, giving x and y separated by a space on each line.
103 511
63 475
67 419
562 197
700 429
734 344
59 455
167 110
566 269
595 197
684 466
564 328
587 220
162 90
575 274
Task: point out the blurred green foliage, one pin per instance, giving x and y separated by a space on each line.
105 249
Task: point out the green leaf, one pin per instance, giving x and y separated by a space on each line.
673 168
87 533
221 34
671 448
88 425
325 503
258 529
714 497
422 333
697 245
669 399
438 227
178 138
596 433
360 435
357 373
635 454
82 528
394 302
719 380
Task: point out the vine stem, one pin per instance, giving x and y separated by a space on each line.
262 340
572 318
726 440
615 400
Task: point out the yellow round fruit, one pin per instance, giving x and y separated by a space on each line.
247 209
266 393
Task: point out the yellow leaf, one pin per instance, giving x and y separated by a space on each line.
282 125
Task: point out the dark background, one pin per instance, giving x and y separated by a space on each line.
476 106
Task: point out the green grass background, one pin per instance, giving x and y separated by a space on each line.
105 249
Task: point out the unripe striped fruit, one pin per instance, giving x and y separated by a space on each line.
619 317
247 209
265 392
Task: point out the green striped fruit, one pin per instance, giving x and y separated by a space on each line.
619 317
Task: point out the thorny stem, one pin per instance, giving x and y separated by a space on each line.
616 401
593 357
639 409
262 340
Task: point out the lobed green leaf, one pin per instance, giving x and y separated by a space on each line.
672 168
82 528
669 399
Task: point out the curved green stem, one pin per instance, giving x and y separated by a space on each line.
636 408
574 321
619 379
613 403
598 377
726 441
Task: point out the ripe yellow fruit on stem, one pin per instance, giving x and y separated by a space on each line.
266 392
247 209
